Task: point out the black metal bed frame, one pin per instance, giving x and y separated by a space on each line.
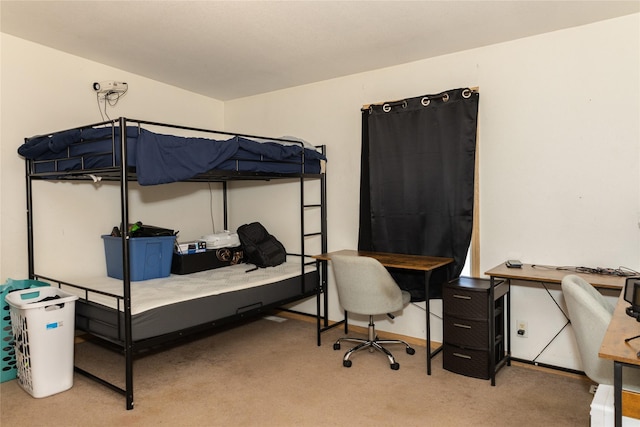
123 174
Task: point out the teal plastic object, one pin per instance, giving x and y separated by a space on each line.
8 369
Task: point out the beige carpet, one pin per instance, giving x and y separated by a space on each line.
267 373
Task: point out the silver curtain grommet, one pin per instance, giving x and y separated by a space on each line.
445 97
425 101
466 93
386 108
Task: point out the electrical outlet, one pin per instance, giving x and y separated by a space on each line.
522 328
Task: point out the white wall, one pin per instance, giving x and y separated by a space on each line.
44 90
559 147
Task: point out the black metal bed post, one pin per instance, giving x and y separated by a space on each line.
322 315
324 232
126 273
302 234
29 184
322 319
225 207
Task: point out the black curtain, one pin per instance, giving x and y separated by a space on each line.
417 182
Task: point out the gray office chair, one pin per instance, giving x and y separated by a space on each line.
590 314
366 287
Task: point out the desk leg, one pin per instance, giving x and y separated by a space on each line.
492 333
430 354
321 286
617 392
508 336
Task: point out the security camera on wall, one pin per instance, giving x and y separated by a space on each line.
110 86
109 93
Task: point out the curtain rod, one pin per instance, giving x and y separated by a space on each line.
366 106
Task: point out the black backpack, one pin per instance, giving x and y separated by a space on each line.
260 247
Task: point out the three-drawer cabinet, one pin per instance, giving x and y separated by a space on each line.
474 327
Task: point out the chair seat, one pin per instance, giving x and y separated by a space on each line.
590 315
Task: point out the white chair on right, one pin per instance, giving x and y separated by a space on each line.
590 314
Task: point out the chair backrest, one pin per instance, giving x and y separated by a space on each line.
365 286
590 315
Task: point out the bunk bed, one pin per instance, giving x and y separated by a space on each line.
151 153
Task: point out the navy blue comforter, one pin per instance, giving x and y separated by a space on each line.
160 158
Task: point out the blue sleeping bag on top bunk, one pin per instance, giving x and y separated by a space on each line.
166 158
160 158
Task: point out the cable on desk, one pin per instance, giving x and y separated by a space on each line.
548 267
620 271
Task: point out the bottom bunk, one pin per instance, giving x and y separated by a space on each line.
176 303
167 309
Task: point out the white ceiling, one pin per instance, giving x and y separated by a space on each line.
232 49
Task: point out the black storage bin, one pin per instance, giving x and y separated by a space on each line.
473 327
208 260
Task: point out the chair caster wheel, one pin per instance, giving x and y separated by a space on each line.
346 363
395 366
336 346
411 350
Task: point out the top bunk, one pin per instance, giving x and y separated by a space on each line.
159 153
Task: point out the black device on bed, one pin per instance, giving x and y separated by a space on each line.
207 260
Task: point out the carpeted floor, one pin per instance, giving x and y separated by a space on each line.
268 373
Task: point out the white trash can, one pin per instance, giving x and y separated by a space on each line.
42 321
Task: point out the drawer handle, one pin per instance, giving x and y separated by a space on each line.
460 325
464 356
461 296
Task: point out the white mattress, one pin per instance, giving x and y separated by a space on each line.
154 293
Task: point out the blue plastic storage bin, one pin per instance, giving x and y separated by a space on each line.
149 257
8 367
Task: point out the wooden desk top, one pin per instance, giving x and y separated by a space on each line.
404 261
552 274
622 326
